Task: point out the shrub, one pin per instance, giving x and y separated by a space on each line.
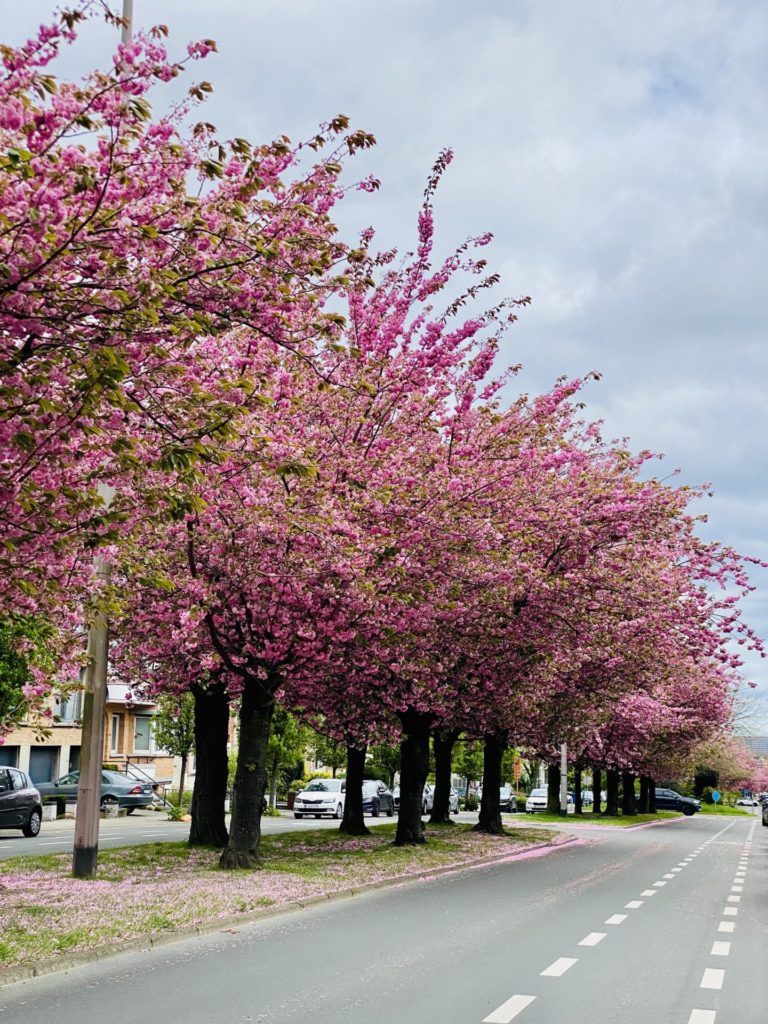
185 801
470 803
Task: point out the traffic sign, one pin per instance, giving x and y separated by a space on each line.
715 795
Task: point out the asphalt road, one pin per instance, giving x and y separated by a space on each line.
660 925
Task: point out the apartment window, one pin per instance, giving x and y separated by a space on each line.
115 745
71 707
142 734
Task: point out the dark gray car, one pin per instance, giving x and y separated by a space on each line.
20 804
116 789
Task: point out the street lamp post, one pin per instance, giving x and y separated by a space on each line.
86 846
127 33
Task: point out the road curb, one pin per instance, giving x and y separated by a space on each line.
69 961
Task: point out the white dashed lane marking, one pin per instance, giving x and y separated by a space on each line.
559 967
633 904
593 938
648 892
731 911
702 1017
616 919
509 1010
726 926
720 949
712 978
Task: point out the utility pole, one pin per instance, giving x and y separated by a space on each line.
86 847
126 36
89 784
563 778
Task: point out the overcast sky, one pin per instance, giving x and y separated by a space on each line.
617 150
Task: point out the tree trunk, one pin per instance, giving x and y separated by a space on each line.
612 792
414 768
628 805
489 820
597 788
182 779
353 823
208 826
553 789
442 744
257 705
644 806
578 807
651 796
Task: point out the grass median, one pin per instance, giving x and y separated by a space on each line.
723 809
622 821
162 887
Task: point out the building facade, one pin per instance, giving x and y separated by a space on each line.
128 739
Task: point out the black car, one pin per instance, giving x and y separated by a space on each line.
20 804
669 800
377 797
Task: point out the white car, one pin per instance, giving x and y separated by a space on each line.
321 796
747 801
537 801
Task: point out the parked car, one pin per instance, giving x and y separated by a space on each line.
377 797
117 790
427 798
670 800
20 803
537 801
765 813
747 801
453 802
587 798
321 796
507 799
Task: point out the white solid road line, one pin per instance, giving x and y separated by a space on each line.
726 926
702 1017
509 1010
720 949
559 967
593 938
713 977
616 919
633 904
